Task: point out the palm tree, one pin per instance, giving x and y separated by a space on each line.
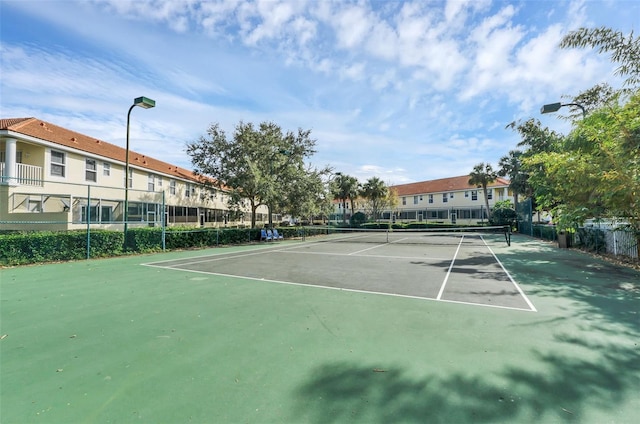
511 167
345 188
481 176
376 192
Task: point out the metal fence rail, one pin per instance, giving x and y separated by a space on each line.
616 241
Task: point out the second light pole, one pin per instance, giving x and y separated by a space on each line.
144 103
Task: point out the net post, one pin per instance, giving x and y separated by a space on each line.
507 234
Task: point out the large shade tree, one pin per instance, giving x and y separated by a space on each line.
304 194
594 171
255 164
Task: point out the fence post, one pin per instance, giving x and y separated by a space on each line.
88 212
164 223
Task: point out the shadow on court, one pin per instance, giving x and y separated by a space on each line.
559 392
113 341
583 370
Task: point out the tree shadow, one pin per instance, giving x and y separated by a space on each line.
590 361
605 292
559 391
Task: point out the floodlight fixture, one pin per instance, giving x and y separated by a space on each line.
554 107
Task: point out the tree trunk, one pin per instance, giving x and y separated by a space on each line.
344 211
486 202
254 207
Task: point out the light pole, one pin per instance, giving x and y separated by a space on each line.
144 103
554 107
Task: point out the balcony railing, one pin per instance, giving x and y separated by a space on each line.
24 175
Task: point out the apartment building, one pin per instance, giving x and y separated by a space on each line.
444 201
447 200
52 178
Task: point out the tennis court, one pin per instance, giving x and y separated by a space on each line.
305 331
454 266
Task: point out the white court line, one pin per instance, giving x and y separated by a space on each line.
526 299
212 259
524 296
364 256
364 250
446 277
209 255
406 296
293 248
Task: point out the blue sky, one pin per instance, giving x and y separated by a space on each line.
402 90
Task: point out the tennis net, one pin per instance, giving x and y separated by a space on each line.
433 236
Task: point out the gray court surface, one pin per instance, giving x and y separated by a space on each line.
464 273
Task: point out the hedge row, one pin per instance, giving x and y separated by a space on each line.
49 246
21 248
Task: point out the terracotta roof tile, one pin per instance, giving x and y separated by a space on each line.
442 185
49 132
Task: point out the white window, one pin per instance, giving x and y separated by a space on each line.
172 187
151 184
91 170
106 214
57 163
474 194
159 179
415 200
466 194
130 177
489 193
431 198
187 192
106 169
445 198
404 201
93 211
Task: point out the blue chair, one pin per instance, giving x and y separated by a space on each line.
276 235
270 235
265 236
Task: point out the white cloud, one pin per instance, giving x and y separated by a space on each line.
411 90
352 25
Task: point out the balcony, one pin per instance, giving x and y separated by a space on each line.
24 175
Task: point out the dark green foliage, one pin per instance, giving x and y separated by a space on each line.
503 216
591 239
357 219
409 225
21 248
26 248
545 232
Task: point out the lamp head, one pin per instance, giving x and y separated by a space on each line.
551 107
144 102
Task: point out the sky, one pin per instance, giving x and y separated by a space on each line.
405 91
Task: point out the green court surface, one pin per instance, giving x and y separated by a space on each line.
305 332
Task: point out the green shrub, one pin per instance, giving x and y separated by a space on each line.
357 219
503 216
